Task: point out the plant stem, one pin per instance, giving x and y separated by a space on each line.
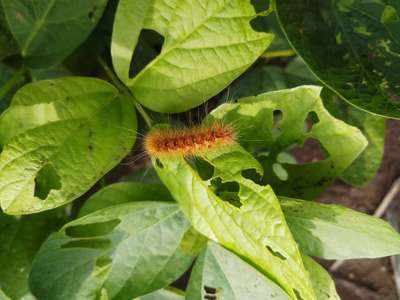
281 53
12 82
114 79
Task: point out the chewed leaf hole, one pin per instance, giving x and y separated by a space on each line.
275 253
92 230
311 151
47 179
227 191
310 121
148 47
88 243
276 118
211 293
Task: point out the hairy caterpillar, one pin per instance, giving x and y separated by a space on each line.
188 141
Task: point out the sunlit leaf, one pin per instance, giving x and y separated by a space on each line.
207 45
278 121
126 250
335 232
59 137
221 274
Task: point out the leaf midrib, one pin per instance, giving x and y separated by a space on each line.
39 23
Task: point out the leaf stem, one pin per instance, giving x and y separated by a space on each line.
12 82
115 80
279 53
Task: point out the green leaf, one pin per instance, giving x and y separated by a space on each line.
335 232
207 45
59 137
165 294
3 296
126 250
258 128
365 167
352 46
221 274
47 31
20 239
8 45
124 192
256 230
321 280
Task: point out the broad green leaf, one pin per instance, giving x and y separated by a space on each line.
222 275
322 282
352 46
124 192
20 239
207 45
165 294
256 230
335 232
276 122
365 167
127 250
8 45
264 78
59 137
47 31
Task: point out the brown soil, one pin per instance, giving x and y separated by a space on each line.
368 279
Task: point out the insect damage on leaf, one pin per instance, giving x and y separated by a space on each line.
190 141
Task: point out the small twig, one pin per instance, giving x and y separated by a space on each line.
123 89
379 212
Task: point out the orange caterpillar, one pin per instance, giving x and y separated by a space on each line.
188 141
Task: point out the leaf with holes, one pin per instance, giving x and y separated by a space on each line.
323 284
255 229
207 45
335 232
220 275
20 240
276 122
59 137
47 31
352 46
124 192
126 250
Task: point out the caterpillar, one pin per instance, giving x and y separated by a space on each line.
188 141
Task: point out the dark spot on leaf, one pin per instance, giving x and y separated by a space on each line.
47 179
159 164
275 253
90 147
211 293
277 117
297 293
88 243
91 230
